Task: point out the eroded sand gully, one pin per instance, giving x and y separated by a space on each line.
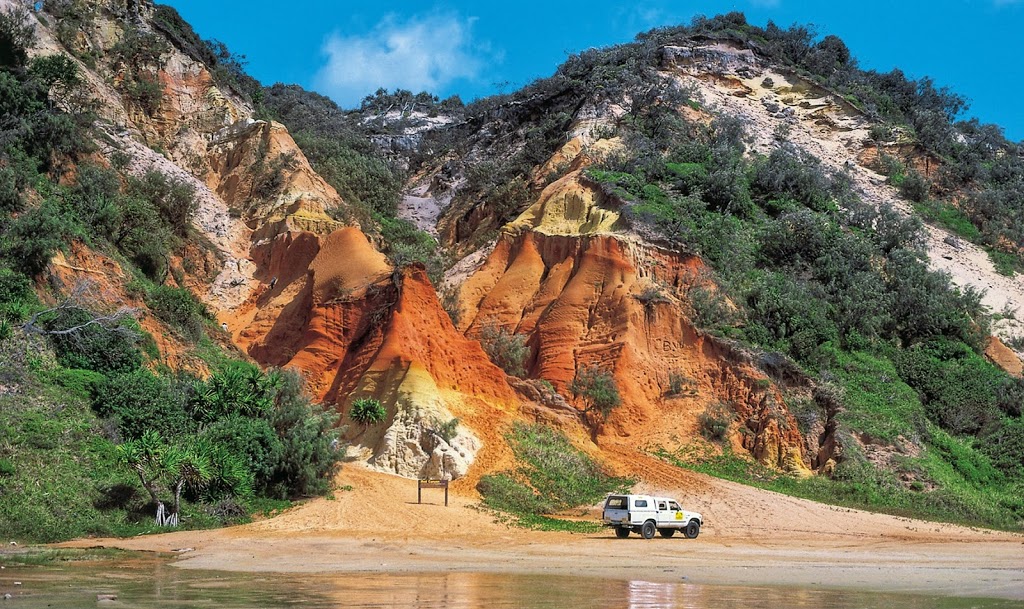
752 537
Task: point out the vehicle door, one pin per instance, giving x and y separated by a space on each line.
665 515
674 515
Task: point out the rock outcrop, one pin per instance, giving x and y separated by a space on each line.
585 293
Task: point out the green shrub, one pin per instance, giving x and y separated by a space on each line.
230 475
142 53
597 389
447 430
367 411
787 316
141 236
140 401
146 91
179 308
237 388
507 350
914 186
16 36
360 176
80 383
310 451
405 245
10 192
957 385
34 237
680 385
174 199
788 173
711 309
95 201
60 77
17 298
923 304
1005 446
714 422
92 346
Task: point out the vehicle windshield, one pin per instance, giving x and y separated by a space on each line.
616 503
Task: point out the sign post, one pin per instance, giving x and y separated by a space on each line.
431 483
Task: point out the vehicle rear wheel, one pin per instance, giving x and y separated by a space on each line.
666 532
647 531
621 532
692 529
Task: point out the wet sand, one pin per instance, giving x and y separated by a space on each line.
752 538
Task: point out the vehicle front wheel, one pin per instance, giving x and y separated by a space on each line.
666 532
621 532
692 529
647 530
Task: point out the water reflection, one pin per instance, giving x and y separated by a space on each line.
154 583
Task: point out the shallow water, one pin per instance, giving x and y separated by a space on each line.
154 583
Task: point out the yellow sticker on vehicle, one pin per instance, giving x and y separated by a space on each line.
679 515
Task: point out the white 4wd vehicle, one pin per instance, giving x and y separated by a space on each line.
646 514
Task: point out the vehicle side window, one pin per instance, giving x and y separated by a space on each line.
640 503
674 506
661 506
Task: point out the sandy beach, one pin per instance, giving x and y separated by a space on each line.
752 537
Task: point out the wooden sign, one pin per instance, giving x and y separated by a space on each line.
431 483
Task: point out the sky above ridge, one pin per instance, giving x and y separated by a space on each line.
346 50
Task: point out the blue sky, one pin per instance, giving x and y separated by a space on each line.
348 49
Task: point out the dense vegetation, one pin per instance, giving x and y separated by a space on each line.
977 165
809 271
90 417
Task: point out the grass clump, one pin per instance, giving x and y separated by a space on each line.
714 422
950 217
876 401
367 411
554 475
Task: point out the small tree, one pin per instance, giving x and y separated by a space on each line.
597 390
164 468
16 35
311 452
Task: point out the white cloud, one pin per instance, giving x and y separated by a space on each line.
423 53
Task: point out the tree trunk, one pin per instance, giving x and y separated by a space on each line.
161 509
177 503
161 514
